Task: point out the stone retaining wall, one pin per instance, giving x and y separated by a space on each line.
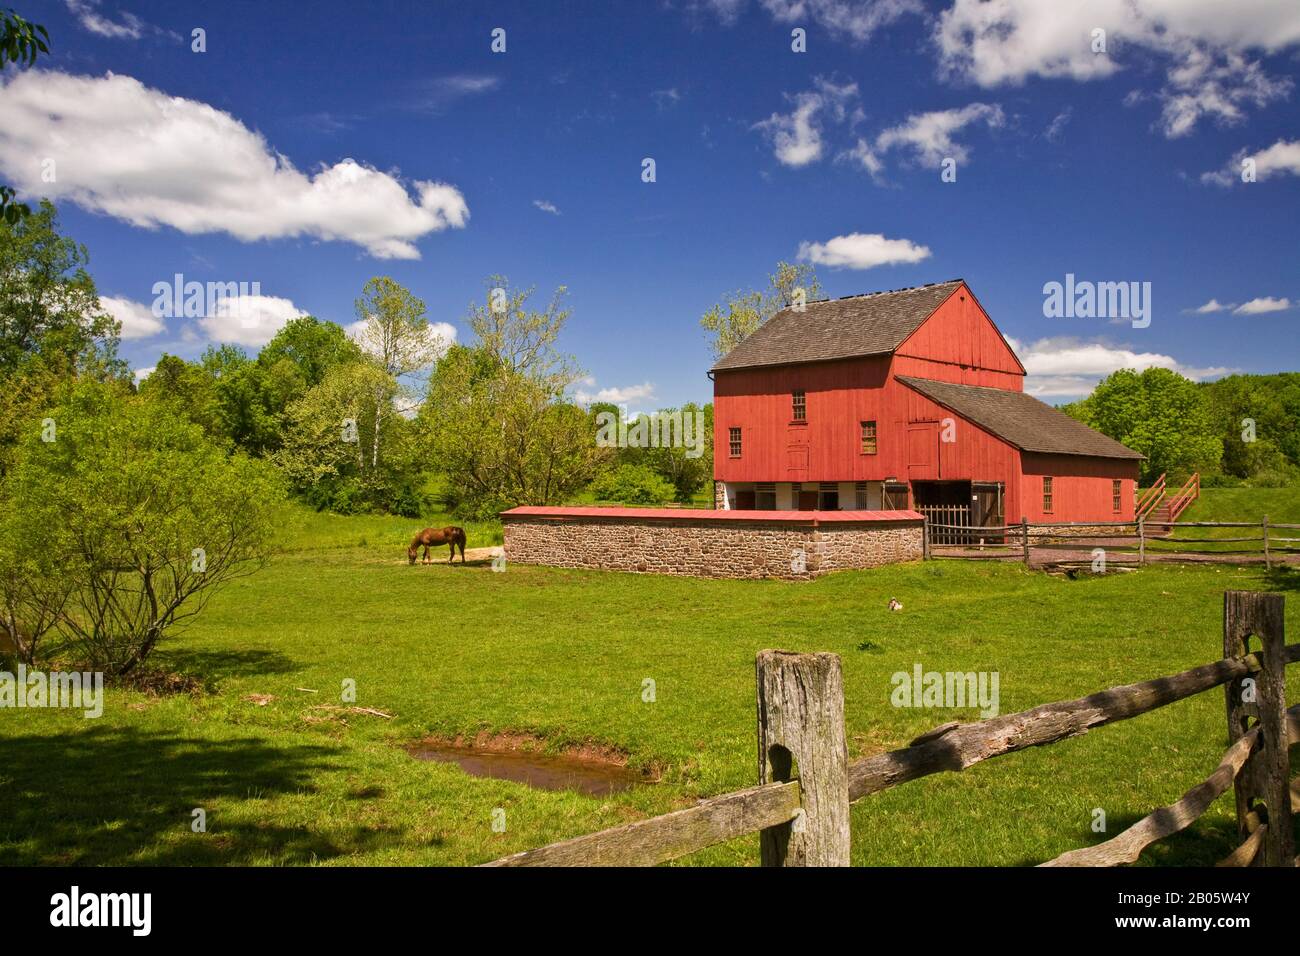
708 544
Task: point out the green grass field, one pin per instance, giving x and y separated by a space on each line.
563 655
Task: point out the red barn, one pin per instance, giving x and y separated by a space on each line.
905 399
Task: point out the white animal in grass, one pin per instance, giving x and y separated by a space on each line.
895 605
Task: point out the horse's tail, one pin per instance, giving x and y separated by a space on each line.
459 537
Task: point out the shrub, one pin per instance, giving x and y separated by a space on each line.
146 516
633 485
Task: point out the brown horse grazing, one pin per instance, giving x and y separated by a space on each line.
429 537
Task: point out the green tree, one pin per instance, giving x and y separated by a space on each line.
1258 419
49 309
190 390
687 462
34 586
20 43
496 422
734 319
396 333
312 346
51 322
147 517
328 436
1158 413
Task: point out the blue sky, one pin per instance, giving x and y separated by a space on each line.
312 146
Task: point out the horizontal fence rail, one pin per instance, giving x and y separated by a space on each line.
802 818
1123 543
956 746
664 838
1128 846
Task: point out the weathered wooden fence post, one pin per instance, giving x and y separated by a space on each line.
1142 542
1024 536
801 736
925 537
1264 776
1264 525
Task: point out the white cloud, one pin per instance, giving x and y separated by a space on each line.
1068 367
1058 124
930 135
248 319
439 93
1204 44
617 396
546 205
859 250
142 373
665 99
150 159
854 20
1262 305
1206 85
1281 158
1214 305
864 156
796 136
87 13
137 319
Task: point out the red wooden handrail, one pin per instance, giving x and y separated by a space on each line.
1150 498
1185 496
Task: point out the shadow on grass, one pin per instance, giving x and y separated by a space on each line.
1203 843
1283 578
215 666
111 796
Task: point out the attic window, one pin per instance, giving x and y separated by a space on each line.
1047 495
799 406
1116 494
734 441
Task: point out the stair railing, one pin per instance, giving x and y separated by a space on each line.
1150 498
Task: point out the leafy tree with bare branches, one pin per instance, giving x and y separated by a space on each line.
143 517
397 335
734 319
497 421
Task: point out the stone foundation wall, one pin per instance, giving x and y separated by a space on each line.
712 548
1040 534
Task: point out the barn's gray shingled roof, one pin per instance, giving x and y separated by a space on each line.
1020 419
856 325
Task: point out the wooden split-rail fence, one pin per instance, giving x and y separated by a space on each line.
802 818
1124 543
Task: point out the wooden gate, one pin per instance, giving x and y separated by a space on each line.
947 524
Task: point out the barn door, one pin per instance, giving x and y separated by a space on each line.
986 503
894 496
923 450
796 453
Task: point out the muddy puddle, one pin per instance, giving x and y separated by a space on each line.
543 771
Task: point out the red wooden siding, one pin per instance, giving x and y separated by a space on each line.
1081 488
959 343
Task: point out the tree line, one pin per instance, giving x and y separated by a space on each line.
125 503
1237 430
